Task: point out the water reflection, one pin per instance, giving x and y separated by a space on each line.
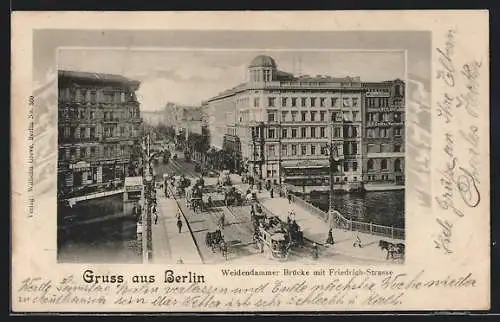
378 207
110 241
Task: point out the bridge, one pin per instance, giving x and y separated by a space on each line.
74 200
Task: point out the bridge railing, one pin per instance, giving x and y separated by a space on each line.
339 221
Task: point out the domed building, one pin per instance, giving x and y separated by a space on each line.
278 126
262 69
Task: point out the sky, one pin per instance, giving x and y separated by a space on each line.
191 76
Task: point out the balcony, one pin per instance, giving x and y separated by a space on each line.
385 155
379 123
304 140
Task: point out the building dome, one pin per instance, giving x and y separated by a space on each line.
263 61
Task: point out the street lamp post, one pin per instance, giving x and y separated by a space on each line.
334 157
148 179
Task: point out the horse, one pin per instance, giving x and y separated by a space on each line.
392 249
400 249
383 244
211 239
223 248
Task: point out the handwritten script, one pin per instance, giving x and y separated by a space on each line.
359 288
458 110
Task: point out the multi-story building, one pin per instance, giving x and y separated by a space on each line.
98 123
384 133
185 119
283 125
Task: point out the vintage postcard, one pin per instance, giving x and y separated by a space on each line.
250 161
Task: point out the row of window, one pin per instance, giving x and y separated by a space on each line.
111 151
384 147
383 132
350 148
347 102
384 117
94 96
94 114
350 131
320 182
383 102
314 116
90 133
261 76
383 165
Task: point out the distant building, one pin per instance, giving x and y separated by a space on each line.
153 118
282 124
98 122
185 119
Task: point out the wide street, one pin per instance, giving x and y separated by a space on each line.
237 232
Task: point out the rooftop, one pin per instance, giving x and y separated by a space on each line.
263 61
96 77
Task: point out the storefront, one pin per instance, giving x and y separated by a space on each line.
111 171
306 172
82 174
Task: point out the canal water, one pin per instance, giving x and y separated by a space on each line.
110 241
378 207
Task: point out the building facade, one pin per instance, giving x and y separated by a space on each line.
98 123
384 147
183 118
284 125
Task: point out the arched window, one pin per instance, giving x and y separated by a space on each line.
383 164
397 165
370 164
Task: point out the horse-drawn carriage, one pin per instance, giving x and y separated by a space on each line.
180 183
296 235
274 240
194 199
215 241
232 197
257 219
394 251
276 235
224 178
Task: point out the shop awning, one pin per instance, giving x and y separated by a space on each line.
305 164
81 165
133 183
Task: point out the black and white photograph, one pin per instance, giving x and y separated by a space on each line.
231 156
233 162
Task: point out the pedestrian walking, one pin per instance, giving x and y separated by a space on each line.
357 242
272 193
289 198
330 240
156 218
179 224
315 251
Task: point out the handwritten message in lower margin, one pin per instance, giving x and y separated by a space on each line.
170 291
